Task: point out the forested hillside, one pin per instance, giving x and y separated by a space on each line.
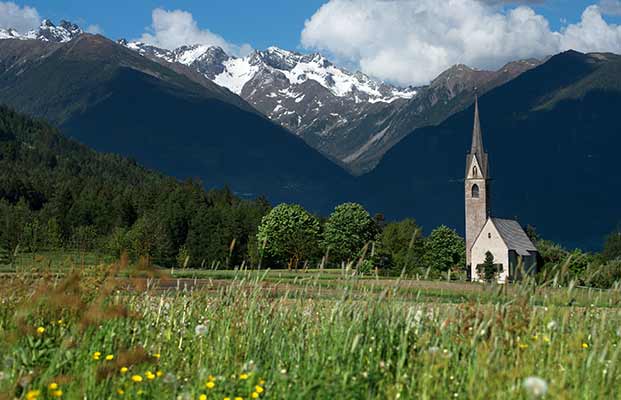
56 193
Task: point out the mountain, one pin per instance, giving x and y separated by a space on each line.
167 117
350 117
47 32
553 139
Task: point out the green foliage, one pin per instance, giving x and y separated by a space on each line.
347 231
612 247
444 250
404 242
488 269
289 234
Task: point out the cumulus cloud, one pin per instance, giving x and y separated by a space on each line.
22 19
171 29
412 41
610 7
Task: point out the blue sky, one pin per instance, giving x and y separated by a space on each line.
408 42
260 23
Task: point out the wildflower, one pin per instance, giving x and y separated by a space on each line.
535 386
552 325
159 374
33 394
433 350
585 345
60 322
52 386
110 357
261 381
211 378
210 385
239 398
124 370
96 355
40 330
546 339
258 389
535 337
120 392
156 355
227 398
137 378
150 375
523 346
202 397
243 376
255 395
200 330
57 393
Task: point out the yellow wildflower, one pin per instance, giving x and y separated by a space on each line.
96 355
255 395
211 378
110 357
40 330
150 375
546 339
239 398
159 374
120 392
124 370
210 385
57 393
585 345
262 381
202 397
243 376
523 346
258 389
52 386
137 378
60 322
227 398
33 394
156 355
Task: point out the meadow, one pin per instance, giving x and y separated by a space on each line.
77 326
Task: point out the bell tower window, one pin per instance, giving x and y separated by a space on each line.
475 171
475 191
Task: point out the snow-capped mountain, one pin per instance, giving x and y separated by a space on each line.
47 32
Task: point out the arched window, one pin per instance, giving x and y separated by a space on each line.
475 191
475 171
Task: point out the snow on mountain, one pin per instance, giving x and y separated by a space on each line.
47 32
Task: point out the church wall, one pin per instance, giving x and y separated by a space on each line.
477 212
493 244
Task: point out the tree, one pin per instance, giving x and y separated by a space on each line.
288 233
488 269
444 249
347 231
403 241
612 247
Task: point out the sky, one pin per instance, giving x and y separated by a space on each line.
407 42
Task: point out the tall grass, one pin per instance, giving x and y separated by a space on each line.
252 336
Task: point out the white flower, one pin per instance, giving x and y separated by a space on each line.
535 386
200 330
433 350
552 325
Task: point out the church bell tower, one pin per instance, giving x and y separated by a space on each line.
477 186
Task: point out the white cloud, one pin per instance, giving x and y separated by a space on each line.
22 19
95 29
412 41
610 7
171 29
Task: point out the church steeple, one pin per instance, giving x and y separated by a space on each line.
477 186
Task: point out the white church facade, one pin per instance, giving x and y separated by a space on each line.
513 252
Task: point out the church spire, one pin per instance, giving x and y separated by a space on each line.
477 150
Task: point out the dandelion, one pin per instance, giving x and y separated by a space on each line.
156 355
523 346
261 381
137 378
60 322
96 355
202 397
124 370
150 375
200 330
243 376
258 389
585 345
40 330
239 398
33 394
120 392
546 339
211 378
210 385
57 393
159 374
52 386
535 386
254 395
110 357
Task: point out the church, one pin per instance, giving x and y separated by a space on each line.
513 252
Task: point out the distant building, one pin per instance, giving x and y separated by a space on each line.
504 239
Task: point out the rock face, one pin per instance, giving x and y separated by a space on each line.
47 32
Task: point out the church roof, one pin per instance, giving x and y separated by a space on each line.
477 150
514 236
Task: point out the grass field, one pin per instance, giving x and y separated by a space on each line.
114 331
